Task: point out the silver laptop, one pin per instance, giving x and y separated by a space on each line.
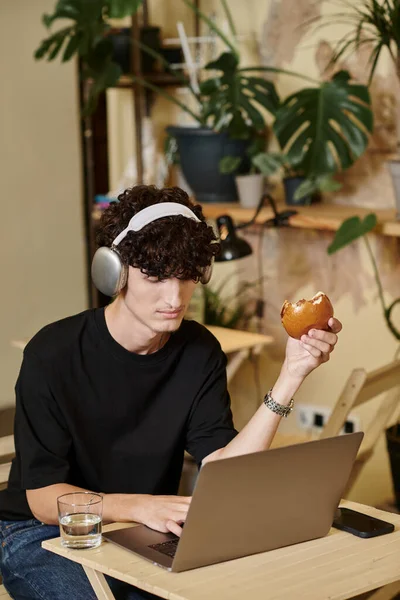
253 503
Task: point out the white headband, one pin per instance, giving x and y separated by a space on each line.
152 213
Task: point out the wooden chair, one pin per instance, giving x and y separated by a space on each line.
361 387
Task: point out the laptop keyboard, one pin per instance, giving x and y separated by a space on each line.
168 548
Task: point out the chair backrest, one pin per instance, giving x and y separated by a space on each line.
360 388
7 451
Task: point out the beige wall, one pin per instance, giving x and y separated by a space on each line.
41 230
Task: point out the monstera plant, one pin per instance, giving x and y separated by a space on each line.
86 36
230 99
321 131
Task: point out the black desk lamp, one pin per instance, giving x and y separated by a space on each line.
234 247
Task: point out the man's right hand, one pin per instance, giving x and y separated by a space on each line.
162 513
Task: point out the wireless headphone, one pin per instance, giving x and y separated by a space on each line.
109 274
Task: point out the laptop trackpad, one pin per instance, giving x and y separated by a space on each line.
138 536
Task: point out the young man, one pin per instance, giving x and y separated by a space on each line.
109 399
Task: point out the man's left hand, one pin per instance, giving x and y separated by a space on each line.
314 349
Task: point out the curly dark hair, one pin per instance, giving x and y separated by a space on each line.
168 247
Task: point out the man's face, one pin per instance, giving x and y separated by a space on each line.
160 305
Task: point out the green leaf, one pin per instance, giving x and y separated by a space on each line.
99 55
63 10
324 130
71 47
311 185
42 50
210 86
123 8
56 47
257 146
227 62
264 92
108 77
370 24
278 71
328 184
229 164
102 80
253 114
47 20
269 162
237 127
352 229
307 188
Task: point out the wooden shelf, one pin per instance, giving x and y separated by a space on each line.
327 217
159 79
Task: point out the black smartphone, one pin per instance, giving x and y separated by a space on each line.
360 524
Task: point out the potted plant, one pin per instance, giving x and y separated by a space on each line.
229 106
299 188
228 113
87 36
374 25
234 311
320 130
250 184
349 231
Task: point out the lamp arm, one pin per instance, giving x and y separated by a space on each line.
279 218
260 205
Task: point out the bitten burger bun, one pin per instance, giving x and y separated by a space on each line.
299 317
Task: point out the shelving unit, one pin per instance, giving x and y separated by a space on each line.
326 217
319 217
322 217
95 141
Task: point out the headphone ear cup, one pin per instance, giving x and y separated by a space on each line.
207 273
109 274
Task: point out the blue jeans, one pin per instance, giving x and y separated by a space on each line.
31 573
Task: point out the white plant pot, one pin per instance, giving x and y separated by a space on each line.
250 189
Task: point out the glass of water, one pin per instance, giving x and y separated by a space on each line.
80 515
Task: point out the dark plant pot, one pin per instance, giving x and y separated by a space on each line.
200 151
393 447
290 185
173 55
122 49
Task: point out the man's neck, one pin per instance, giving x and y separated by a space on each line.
129 332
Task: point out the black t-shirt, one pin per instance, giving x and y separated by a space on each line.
92 414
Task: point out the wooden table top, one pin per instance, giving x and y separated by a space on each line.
233 340
337 566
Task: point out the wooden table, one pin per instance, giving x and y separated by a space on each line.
237 345
335 567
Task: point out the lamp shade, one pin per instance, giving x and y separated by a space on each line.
232 246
